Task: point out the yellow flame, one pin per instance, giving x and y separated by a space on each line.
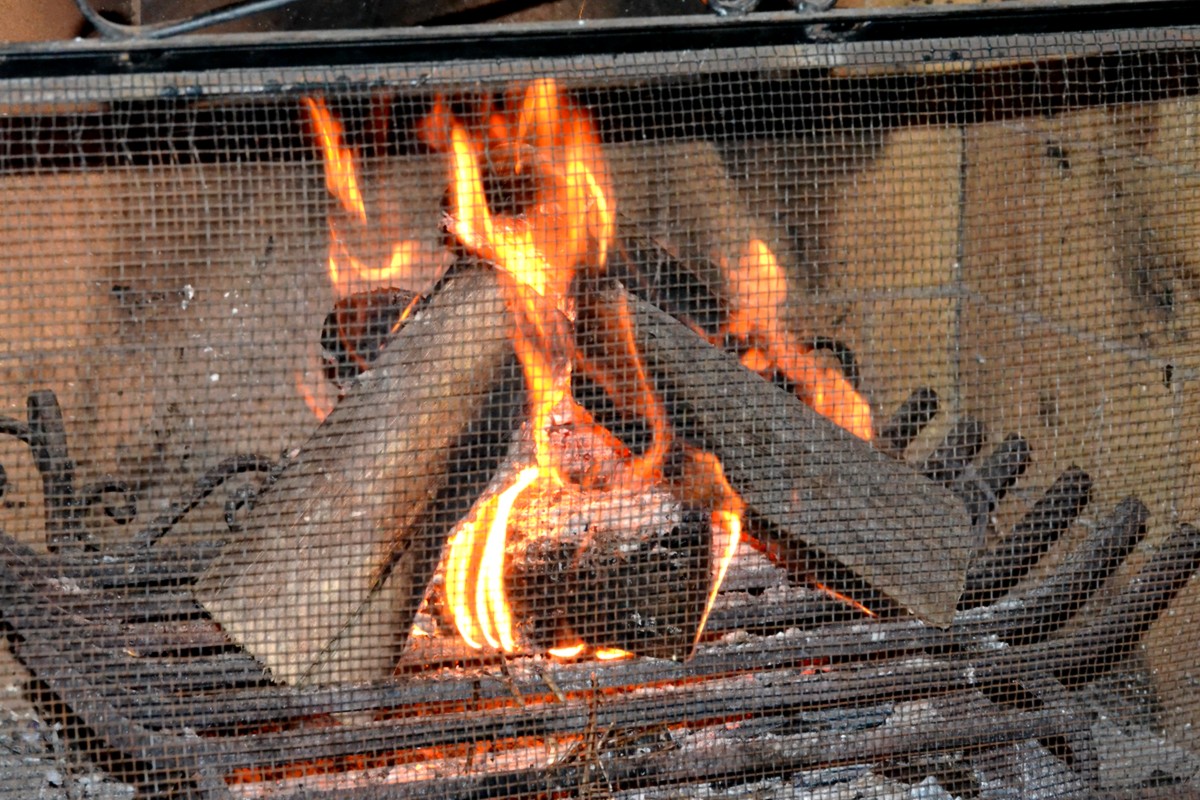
475 570
729 523
495 616
567 651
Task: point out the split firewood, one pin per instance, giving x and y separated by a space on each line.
807 481
324 582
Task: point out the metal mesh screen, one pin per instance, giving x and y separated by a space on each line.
752 422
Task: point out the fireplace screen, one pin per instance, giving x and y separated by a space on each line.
807 411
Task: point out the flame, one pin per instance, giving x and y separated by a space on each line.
567 225
475 570
341 174
759 290
536 136
703 483
349 274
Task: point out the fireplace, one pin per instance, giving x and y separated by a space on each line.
792 405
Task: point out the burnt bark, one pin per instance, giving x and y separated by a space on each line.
622 569
323 583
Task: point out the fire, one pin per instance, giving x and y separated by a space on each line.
759 290
568 225
475 570
536 141
348 273
341 174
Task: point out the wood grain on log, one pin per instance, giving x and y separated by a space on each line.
323 584
809 480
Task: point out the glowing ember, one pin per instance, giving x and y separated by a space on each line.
850 601
568 651
612 654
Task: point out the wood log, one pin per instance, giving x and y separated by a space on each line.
324 582
624 569
811 482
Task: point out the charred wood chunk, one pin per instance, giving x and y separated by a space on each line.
357 328
817 485
615 569
909 420
1004 565
1026 769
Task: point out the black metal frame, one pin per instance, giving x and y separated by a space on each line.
597 38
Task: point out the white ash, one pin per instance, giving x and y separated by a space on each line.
36 765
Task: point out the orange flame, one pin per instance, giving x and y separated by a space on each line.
475 570
341 174
567 226
349 274
759 289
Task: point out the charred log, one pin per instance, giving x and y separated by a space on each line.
816 484
613 569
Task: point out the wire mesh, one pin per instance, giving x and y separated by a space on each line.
801 422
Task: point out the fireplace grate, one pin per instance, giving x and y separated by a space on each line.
789 406
184 711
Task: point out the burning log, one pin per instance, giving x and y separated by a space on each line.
806 480
625 570
316 597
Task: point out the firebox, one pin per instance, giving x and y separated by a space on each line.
799 404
